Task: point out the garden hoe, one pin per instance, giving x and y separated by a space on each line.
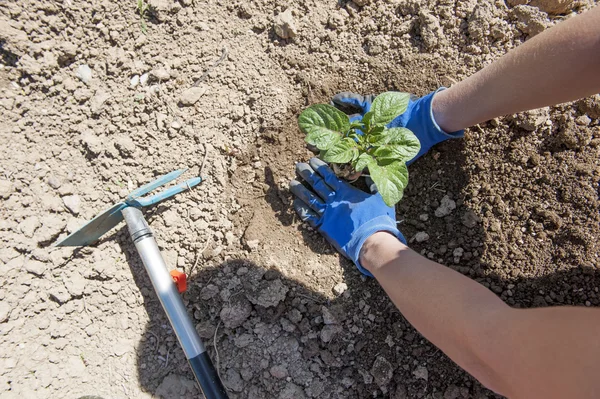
168 286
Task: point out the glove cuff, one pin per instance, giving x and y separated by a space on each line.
380 223
436 127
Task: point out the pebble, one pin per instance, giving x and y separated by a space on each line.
340 288
191 95
285 26
446 207
135 81
84 73
160 74
144 79
176 125
54 182
424 217
6 189
72 202
421 373
328 332
97 102
421 236
382 371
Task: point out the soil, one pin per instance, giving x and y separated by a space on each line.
93 107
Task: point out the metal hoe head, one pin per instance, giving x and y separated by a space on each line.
112 216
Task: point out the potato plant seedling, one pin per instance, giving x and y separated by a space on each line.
366 143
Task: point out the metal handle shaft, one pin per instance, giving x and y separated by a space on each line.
170 299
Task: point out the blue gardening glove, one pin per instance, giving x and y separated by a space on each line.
418 117
345 215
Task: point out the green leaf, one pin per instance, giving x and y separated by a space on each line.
363 161
344 151
390 180
323 125
387 106
396 144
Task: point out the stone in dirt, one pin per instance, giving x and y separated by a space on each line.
470 219
97 102
192 95
446 207
553 6
340 288
6 189
285 26
236 313
175 386
589 106
382 371
421 236
233 380
29 226
35 267
328 332
421 373
268 293
73 203
84 73
292 391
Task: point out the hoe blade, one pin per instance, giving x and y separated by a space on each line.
95 228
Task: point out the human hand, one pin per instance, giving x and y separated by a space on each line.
418 117
343 214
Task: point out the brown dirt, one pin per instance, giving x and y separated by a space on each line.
526 222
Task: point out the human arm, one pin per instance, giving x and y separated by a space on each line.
560 64
519 353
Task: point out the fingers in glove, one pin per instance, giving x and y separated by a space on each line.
315 181
305 213
351 103
309 198
326 173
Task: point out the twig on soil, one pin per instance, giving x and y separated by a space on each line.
203 160
216 350
311 298
167 361
210 68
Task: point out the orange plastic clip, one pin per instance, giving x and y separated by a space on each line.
180 280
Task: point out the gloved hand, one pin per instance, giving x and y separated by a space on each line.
418 117
345 215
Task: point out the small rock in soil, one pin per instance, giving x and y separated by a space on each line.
446 207
421 373
421 236
176 386
233 380
192 95
72 202
382 371
35 267
268 293
160 74
54 182
328 317
84 73
340 288
328 332
134 81
285 26
29 226
97 102
590 106
470 219
553 6
236 313
144 79
6 189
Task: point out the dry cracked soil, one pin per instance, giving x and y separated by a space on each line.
96 101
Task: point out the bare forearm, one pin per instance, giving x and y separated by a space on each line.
452 311
531 353
559 65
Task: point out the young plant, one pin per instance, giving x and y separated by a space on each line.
366 143
143 10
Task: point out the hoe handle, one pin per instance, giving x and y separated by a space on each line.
170 299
